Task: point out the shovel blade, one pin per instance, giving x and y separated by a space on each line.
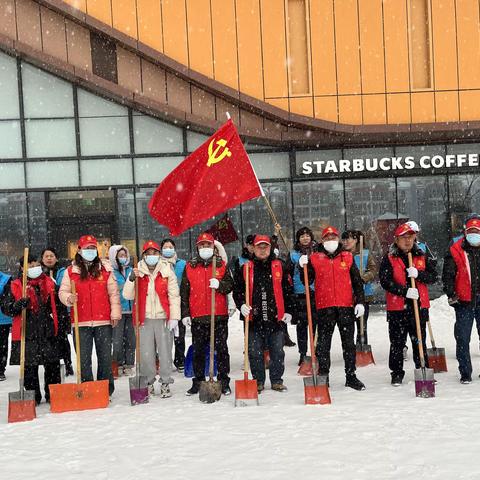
246 393
305 368
115 369
316 394
21 410
424 383
437 359
266 359
364 356
210 391
138 390
72 397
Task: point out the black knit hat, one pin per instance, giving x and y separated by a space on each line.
301 231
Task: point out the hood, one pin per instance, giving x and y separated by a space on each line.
221 251
112 255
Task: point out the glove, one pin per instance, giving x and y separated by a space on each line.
172 325
412 293
21 304
287 318
214 283
453 300
245 310
187 321
303 260
176 331
412 272
359 310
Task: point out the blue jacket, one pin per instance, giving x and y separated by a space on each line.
298 287
59 276
179 268
4 279
126 304
367 287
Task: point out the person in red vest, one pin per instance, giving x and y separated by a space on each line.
196 294
99 309
159 311
395 277
41 331
271 300
461 283
339 298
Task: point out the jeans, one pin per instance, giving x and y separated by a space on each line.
4 333
102 336
51 376
179 358
266 337
302 323
123 339
464 317
357 321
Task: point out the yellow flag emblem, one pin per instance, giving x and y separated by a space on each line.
215 155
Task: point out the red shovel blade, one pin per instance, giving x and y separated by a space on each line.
21 410
364 356
316 394
246 392
437 360
305 368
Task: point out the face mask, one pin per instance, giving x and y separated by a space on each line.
168 252
123 261
151 260
34 272
330 246
206 253
276 251
473 239
88 254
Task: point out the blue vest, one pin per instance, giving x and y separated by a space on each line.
59 276
367 287
126 304
179 268
422 246
298 286
242 261
4 320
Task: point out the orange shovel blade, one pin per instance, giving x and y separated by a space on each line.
246 392
72 397
317 395
20 410
305 368
364 358
437 360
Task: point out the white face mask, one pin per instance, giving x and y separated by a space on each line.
330 246
151 260
206 253
276 251
34 272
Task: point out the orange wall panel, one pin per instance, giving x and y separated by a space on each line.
249 48
398 108
323 48
302 106
396 45
446 107
423 107
200 53
174 24
124 15
374 109
279 103
101 10
326 108
350 109
469 103
150 23
274 48
346 46
371 46
78 4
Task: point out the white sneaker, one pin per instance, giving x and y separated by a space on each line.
128 371
165 390
151 390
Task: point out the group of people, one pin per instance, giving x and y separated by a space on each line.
165 295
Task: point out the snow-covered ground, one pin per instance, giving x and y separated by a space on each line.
380 433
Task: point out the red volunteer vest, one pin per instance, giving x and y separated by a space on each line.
333 285
161 287
93 300
395 302
277 276
463 281
201 294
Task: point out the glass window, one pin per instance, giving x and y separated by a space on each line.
90 105
52 174
464 199
463 148
8 88
195 140
50 138
13 229
104 136
126 219
154 170
11 139
12 175
419 151
271 165
45 95
106 172
153 136
37 220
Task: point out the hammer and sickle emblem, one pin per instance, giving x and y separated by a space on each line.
214 156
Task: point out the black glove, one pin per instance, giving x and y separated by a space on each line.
453 300
132 276
21 304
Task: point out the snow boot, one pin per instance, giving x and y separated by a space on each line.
279 387
465 379
353 382
194 389
396 380
165 390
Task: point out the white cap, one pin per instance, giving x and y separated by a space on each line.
413 225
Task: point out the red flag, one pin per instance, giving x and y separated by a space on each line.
223 231
217 176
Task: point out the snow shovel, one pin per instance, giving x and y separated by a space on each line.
316 386
138 383
364 355
211 390
436 355
72 397
115 369
21 404
305 369
246 390
424 380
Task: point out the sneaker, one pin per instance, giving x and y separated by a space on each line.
194 389
353 382
260 387
279 387
2 377
466 379
151 390
181 368
397 380
128 371
405 353
165 390
226 390
301 359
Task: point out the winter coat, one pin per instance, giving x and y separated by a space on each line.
41 340
178 266
64 323
4 280
296 272
370 271
121 274
152 304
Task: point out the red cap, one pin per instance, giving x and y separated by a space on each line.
262 239
472 223
330 231
150 244
87 241
205 237
404 229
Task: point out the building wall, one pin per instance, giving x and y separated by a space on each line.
349 61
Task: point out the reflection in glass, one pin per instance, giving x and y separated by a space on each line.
126 219
464 199
37 221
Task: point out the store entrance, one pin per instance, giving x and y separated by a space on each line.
73 214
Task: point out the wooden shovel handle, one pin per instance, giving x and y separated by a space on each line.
310 324
362 320
246 365
24 318
77 332
137 319
212 319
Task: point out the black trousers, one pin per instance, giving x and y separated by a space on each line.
200 341
4 333
344 319
357 321
51 376
64 350
179 357
302 322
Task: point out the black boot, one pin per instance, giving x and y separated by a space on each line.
68 369
194 389
353 382
288 341
226 390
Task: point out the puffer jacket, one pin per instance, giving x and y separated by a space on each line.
121 274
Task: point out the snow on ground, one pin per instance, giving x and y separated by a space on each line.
380 433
